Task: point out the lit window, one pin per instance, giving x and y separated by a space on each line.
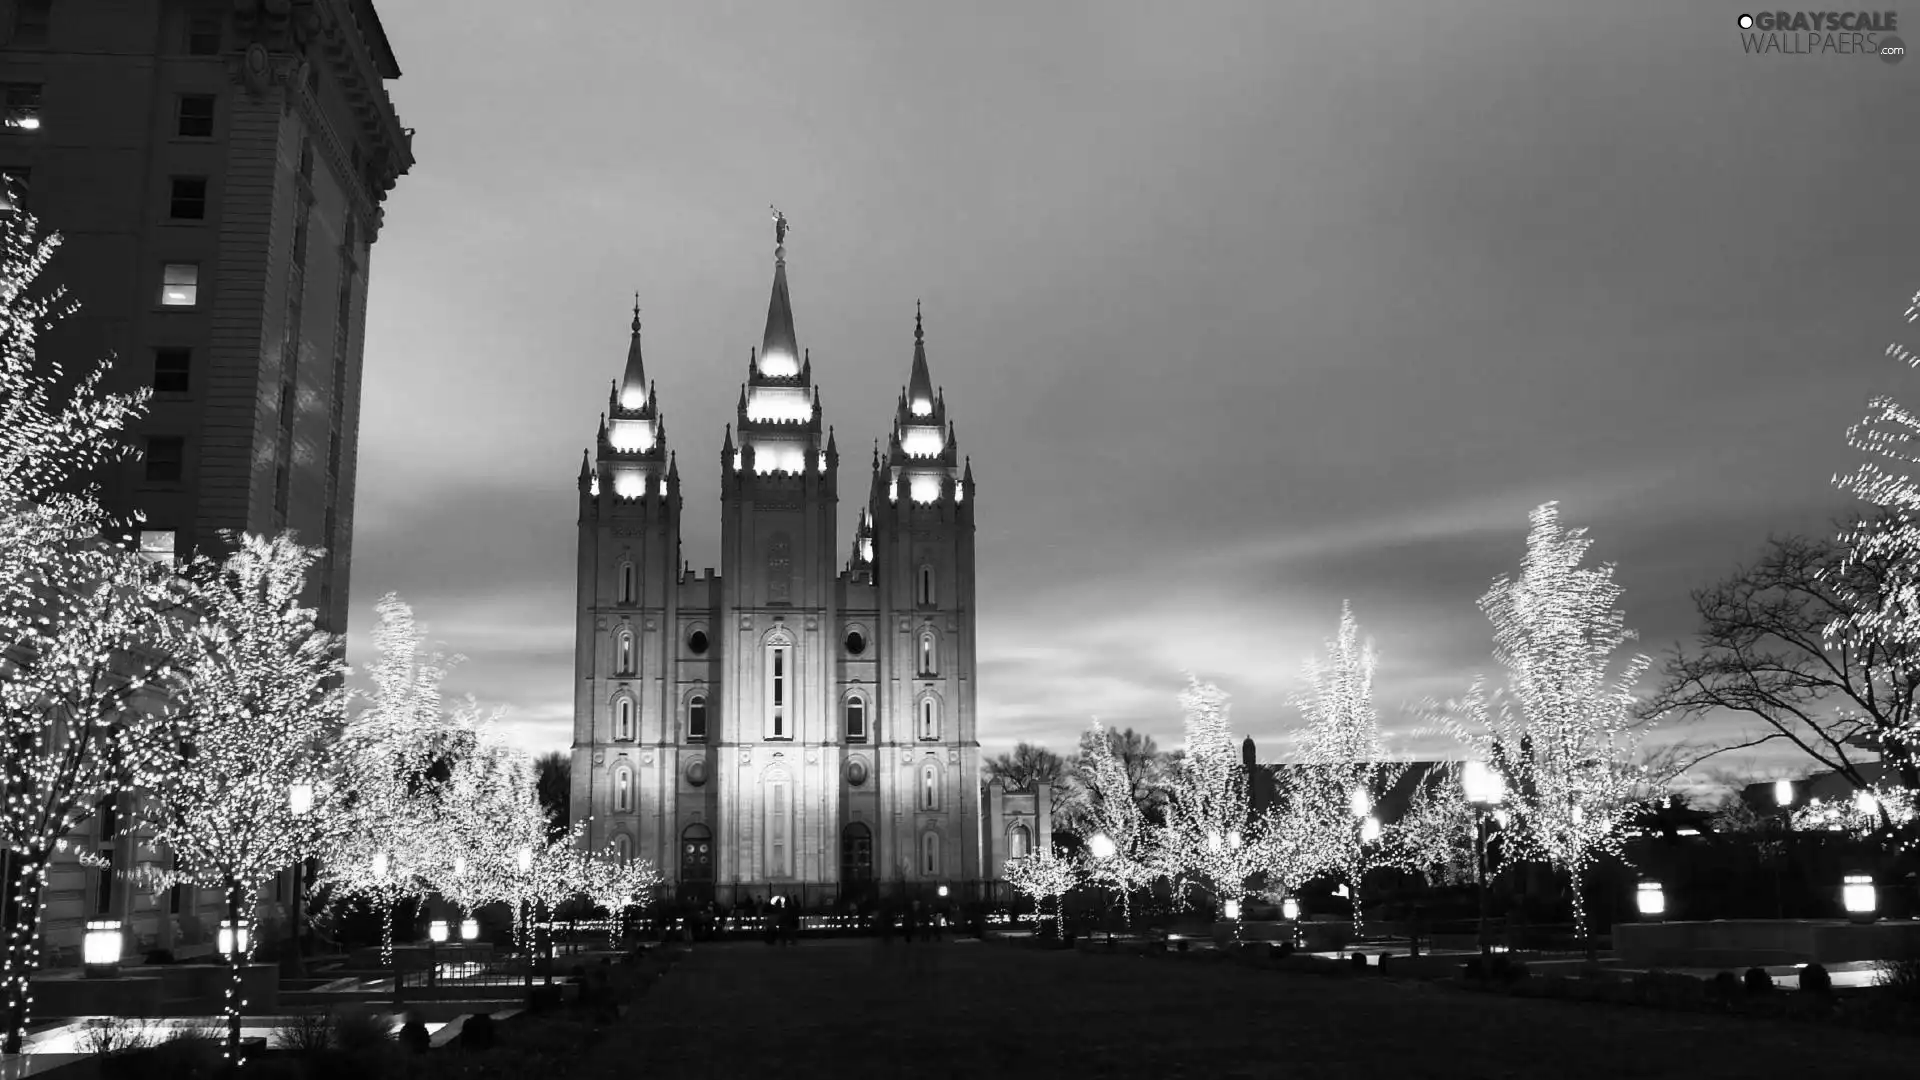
631 436
171 370
157 545
925 489
180 285
194 120
22 108
630 483
929 655
930 853
188 200
203 35
623 652
929 719
166 459
697 718
929 787
623 719
30 19
622 788
923 442
778 659
856 720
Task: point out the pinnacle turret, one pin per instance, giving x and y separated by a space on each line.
633 382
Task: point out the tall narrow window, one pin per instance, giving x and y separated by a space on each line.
779 676
166 458
929 786
194 120
157 545
188 199
622 788
1019 842
929 654
204 34
623 718
626 583
172 370
697 718
623 652
929 719
856 720
103 888
930 854
779 824
22 106
623 849
926 584
180 285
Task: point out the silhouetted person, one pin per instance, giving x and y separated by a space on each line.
909 921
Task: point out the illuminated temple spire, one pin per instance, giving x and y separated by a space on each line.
779 348
921 454
633 383
920 383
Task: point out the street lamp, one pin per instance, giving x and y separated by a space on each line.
1485 791
101 949
299 804
1783 793
525 861
1651 900
1102 847
1859 897
232 943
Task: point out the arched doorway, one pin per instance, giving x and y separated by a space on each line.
696 863
856 863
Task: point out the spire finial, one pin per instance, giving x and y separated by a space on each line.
779 226
636 312
919 332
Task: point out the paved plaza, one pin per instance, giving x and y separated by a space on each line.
967 1009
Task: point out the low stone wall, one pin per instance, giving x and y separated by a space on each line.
1730 943
150 991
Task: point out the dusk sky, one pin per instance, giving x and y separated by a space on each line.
1240 310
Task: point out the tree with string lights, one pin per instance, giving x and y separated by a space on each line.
1560 732
257 705
1120 849
1040 876
1346 767
616 884
471 809
1433 838
1211 840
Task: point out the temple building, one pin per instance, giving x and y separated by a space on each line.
802 722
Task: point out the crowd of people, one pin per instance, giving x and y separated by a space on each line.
778 919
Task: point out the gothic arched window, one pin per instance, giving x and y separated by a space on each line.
697 718
623 849
623 652
929 719
924 592
623 718
779 825
1019 842
780 685
930 853
627 590
929 786
856 719
622 788
929 653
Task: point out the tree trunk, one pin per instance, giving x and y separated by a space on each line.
21 877
385 907
1580 908
236 970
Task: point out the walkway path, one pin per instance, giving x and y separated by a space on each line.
849 1009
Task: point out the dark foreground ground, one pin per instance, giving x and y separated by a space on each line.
966 1009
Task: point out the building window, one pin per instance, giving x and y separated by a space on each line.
696 854
166 458
929 719
15 185
30 19
623 652
626 583
1019 842
172 369
157 545
622 789
194 120
697 718
929 654
623 718
926 585
180 285
856 643
204 34
779 829
929 786
856 720
623 849
780 687
22 106
930 854
188 201
697 643
856 853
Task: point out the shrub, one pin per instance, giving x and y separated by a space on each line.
477 1033
114 1035
306 1032
1185 945
1900 978
1814 979
357 1028
160 956
1757 981
1726 986
1358 961
414 1037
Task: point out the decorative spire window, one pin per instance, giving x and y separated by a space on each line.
623 718
697 718
929 719
622 788
623 652
929 654
779 676
856 728
627 591
929 786
923 593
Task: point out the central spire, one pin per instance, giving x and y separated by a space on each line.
779 349
633 381
919 383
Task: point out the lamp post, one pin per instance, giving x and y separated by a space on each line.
1102 847
299 804
436 935
1783 798
1485 790
526 868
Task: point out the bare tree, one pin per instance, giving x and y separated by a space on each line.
553 779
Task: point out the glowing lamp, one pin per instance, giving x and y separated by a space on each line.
526 860
1866 803
1213 841
1859 897
232 943
630 483
1783 793
1502 818
460 866
921 407
1361 803
102 945
1650 899
300 798
1483 786
437 931
1370 830
925 489
633 396
379 865
1101 845
28 123
943 890
778 365
1290 909
1232 908
469 929
1233 840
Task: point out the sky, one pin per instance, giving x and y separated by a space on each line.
1241 310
